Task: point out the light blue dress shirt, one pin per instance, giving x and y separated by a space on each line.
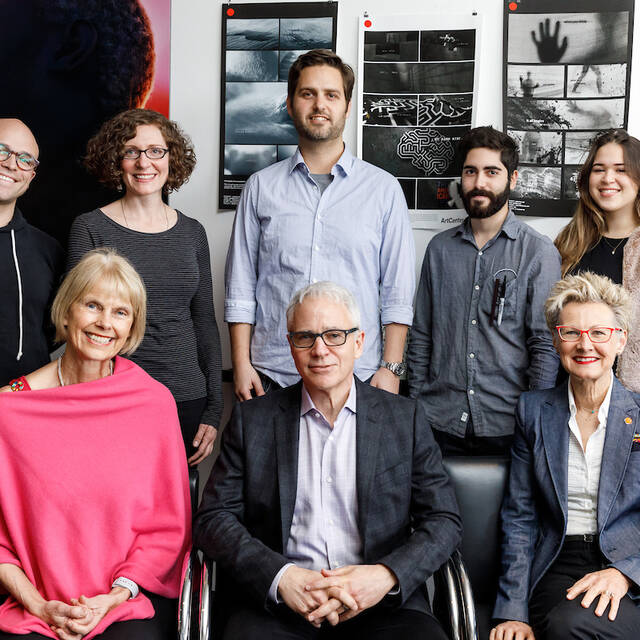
288 234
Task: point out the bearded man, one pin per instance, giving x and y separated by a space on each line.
479 337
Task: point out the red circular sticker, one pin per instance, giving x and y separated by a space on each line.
513 6
367 23
231 11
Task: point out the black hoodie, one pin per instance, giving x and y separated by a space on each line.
25 329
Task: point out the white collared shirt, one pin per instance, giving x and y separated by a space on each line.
583 469
324 531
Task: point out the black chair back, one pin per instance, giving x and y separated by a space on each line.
480 484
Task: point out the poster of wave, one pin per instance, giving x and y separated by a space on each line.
69 67
566 76
417 88
260 41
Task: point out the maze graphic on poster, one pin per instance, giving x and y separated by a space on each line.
260 42
417 87
566 75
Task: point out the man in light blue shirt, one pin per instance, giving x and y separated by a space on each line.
320 215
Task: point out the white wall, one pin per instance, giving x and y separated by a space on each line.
195 103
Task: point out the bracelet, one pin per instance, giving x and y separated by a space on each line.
126 584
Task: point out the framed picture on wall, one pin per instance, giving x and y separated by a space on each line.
260 41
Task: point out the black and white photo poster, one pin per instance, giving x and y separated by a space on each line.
260 41
417 86
567 70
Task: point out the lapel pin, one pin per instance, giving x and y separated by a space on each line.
628 420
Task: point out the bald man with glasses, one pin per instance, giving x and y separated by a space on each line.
30 261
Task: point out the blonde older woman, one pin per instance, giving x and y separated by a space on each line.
571 515
94 499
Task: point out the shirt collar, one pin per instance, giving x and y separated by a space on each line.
510 227
345 162
603 411
307 404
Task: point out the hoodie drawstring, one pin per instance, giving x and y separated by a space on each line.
15 261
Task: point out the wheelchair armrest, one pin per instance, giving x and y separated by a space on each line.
448 595
185 600
207 589
469 624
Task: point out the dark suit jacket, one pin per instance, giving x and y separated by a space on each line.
407 512
534 512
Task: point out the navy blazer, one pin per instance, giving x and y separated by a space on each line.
534 512
407 512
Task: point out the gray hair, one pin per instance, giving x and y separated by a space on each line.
325 289
588 287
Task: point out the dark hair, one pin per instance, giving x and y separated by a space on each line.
589 223
315 58
490 138
104 150
125 56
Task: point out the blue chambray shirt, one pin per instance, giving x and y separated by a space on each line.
460 367
287 234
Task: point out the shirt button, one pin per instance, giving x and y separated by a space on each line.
316 415
477 287
314 279
331 522
319 217
329 479
317 248
474 322
472 355
471 392
479 253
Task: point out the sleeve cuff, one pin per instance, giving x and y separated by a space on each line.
240 311
399 314
273 590
125 583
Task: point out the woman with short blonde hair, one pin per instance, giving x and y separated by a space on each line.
571 513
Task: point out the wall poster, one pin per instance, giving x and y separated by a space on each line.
417 93
260 41
567 77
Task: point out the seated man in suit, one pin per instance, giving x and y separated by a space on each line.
328 507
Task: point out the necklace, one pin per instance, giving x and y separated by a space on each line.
61 380
610 245
164 208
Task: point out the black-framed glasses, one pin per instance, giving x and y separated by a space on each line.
596 334
331 337
153 153
24 160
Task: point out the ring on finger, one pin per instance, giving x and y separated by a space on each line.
609 593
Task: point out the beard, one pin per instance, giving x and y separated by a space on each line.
317 134
496 202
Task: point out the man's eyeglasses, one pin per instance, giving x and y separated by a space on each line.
331 337
596 334
24 160
153 153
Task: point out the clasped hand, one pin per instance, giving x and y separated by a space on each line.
75 620
335 595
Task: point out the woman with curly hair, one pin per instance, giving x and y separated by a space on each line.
604 234
146 156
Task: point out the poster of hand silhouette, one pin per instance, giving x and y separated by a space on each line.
566 78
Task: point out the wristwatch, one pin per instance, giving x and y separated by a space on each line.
397 368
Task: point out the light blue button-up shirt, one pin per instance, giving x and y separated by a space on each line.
287 234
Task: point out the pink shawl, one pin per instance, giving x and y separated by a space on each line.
93 485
